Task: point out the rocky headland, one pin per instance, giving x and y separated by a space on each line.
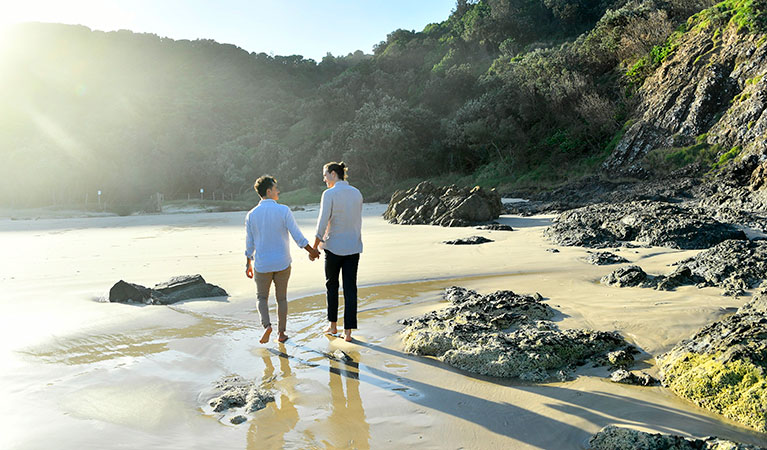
504 334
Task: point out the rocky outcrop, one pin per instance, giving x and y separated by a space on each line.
710 85
604 258
448 206
647 222
623 376
175 290
496 227
504 335
473 240
733 266
722 367
237 397
618 438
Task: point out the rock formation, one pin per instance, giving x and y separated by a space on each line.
172 291
235 395
504 335
448 206
604 258
473 240
650 223
722 367
618 438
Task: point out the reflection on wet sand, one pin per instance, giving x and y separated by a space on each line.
347 418
268 430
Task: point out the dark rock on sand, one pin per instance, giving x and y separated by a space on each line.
496 227
172 291
628 276
504 335
235 392
638 379
733 266
618 438
604 258
648 222
473 240
722 367
448 206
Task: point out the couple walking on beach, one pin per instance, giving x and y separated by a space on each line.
339 234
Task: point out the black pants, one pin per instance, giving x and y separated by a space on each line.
347 265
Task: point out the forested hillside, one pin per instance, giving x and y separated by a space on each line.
513 92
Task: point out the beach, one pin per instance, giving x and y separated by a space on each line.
79 372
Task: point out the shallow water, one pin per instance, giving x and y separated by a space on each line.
79 373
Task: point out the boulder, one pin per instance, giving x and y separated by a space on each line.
449 206
473 240
619 438
175 290
496 227
503 335
604 258
625 377
722 367
628 276
648 222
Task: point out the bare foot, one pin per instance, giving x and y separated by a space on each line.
331 329
348 337
282 337
265 337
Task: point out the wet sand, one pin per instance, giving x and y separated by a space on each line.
79 373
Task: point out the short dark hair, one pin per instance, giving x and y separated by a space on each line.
263 184
338 168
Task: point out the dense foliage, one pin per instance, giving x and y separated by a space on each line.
508 90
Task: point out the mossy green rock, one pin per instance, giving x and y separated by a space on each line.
618 438
722 367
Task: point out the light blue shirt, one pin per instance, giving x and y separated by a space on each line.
267 227
339 225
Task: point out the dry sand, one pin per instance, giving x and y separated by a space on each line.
80 374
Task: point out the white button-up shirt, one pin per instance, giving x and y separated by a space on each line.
339 225
267 227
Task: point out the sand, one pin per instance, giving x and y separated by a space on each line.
79 373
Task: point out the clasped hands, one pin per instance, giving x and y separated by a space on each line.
313 253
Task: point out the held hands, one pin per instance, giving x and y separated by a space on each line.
249 270
313 253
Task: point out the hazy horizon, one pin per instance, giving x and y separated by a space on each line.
309 29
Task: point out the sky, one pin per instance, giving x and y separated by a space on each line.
311 28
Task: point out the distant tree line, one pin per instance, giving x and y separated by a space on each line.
516 90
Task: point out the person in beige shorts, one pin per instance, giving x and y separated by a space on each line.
267 250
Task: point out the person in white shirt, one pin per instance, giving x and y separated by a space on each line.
339 230
266 242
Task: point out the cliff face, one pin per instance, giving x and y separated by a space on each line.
711 84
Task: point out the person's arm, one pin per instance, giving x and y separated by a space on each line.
250 248
326 204
298 236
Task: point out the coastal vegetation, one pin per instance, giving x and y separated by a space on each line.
505 92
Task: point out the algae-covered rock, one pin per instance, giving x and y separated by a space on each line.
625 377
722 367
504 335
618 438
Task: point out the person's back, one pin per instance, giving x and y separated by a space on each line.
343 232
